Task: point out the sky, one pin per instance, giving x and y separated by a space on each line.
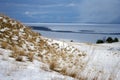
62 11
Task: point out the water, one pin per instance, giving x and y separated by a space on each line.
77 32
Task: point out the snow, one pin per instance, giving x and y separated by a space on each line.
24 46
21 29
15 38
38 39
1 17
13 23
4 29
13 70
4 20
102 62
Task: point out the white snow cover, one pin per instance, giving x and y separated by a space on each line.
4 29
5 20
13 23
102 62
36 70
15 38
1 17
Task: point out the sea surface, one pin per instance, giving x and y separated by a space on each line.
89 33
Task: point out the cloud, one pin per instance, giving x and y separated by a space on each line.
48 5
99 11
34 5
35 12
71 4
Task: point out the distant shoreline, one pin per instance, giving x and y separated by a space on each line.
66 24
77 33
65 31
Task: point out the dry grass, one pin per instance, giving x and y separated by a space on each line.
14 55
73 75
45 67
17 52
22 53
30 56
19 58
4 45
52 65
63 71
40 55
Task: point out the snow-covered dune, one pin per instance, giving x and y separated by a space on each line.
102 61
36 70
26 55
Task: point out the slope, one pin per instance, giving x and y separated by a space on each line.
26 45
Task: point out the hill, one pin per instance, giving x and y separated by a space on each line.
26 45
25 55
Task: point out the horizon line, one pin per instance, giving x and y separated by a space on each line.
37 23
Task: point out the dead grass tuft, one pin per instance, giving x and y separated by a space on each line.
17 52
14 55
22 53
19 58
52 65
73 75
30 56
4 45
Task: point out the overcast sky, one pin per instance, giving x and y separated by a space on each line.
62 11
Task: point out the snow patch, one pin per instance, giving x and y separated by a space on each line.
15 38
5 20
1 17
4 29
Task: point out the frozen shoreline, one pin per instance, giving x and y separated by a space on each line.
76 37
